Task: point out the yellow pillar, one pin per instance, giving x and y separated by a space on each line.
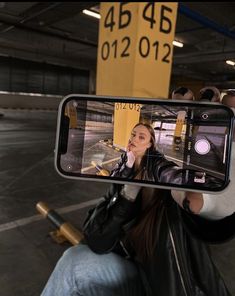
125 117
179 127
134 55
71 112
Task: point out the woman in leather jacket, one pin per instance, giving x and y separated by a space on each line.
144 162
139 241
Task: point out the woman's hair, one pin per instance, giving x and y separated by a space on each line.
151 131
143 170
144 234
209 93
182 93
229 99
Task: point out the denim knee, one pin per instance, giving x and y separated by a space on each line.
80 271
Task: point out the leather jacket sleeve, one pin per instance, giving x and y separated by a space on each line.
121 170
158 168
163 170
168 172
105 224
209 231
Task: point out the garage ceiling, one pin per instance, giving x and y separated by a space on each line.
59 33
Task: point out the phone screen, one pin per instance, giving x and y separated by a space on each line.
194 139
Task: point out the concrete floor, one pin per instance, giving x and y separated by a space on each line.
27 252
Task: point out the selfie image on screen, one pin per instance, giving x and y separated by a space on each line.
101 134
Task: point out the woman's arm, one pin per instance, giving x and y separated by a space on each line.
209 206
164 170
214 223
121 169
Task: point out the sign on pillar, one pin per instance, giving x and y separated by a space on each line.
126 116
135 52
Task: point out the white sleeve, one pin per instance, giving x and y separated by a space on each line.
216 207
219 205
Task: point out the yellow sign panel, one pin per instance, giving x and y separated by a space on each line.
126 116
134 55
135 48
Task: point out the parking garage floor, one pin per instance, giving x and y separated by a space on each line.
27 175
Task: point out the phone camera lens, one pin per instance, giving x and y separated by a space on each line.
205 116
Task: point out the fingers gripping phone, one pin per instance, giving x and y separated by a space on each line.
150 142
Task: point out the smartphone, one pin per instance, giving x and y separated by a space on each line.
190 148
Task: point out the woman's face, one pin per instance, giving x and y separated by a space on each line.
140 140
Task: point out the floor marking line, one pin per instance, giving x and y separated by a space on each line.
64 210
105 162
16 179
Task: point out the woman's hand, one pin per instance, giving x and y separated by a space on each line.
194 201
130 159
190 201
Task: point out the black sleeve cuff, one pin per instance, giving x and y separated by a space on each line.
210 231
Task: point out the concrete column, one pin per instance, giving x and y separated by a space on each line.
134 56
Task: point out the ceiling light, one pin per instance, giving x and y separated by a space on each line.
91 13
177 43
230 62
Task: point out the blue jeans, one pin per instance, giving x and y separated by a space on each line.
82 272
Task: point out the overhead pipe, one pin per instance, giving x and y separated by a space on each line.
60 36
38 13
22 25
203 20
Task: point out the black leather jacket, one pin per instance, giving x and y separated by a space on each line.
160 170
157 168
181 265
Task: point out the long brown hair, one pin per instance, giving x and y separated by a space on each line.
144 235
143 167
